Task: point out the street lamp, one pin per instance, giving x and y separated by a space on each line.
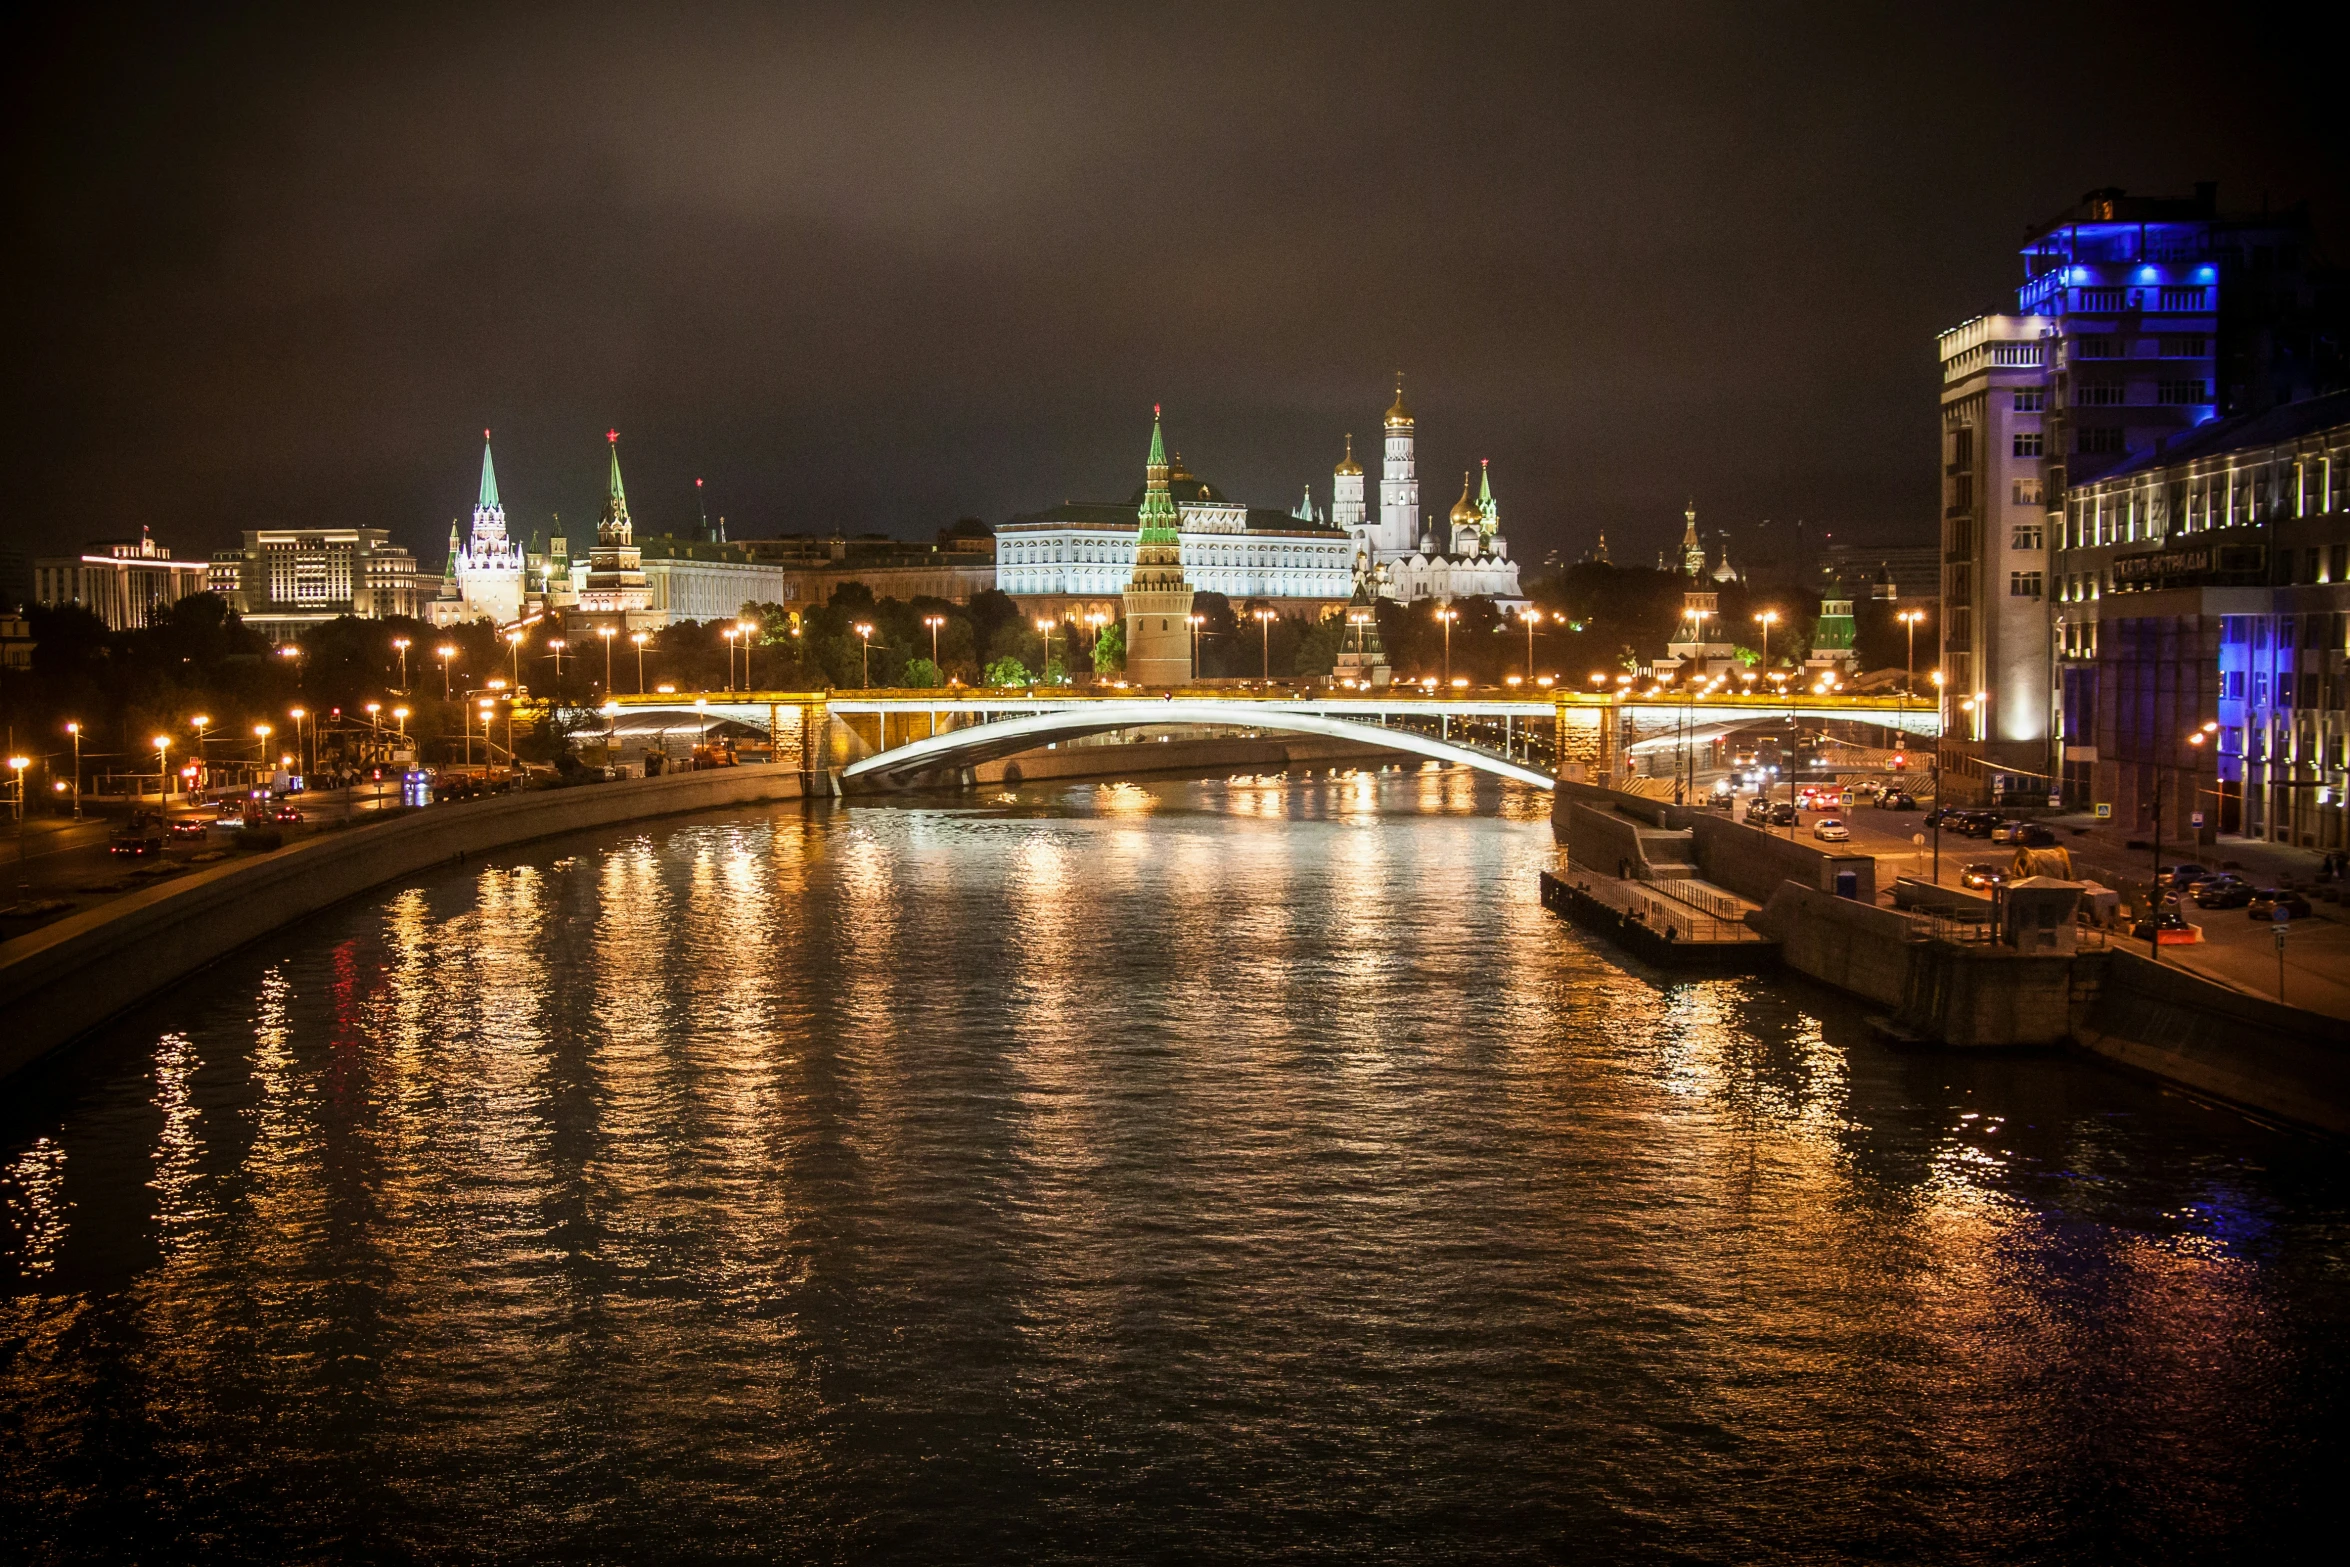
1532 618
1447 614
640 638
298 714
606 633
934 622
401 643
1195 622
1044 627
864 631
18 764
400 718
162 768
1264 619
514 641
1909 619
729 633
555 647
75 729
446 652
1767 619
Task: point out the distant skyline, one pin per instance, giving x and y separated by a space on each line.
881 268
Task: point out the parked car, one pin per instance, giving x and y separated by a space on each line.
2037 837
1758 811
1895 800
287 814
142 835
2180 877
190 827
2168 921
1941 816
1982 874
2266 901
1829 830
2221 892
2007 831
1782 815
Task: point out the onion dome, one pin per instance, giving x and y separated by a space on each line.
1464 510
1348 465
1398 415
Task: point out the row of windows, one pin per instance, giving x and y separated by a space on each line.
2224 499
2109 299
2103 345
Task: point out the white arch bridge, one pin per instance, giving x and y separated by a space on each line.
901 738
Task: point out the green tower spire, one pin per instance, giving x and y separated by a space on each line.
489 477
1157 513
1488 514
615 519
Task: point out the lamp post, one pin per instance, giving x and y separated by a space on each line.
1767 619
749 630
401 644
400 720
729 633
514 641
1532 618
1909 619
1264 619
18 764
447 653
1044 628
640 639
199 723
261 734
75 730
1196 622
606 632
301 755
1447 615
162 770
934 622
555 652
864 631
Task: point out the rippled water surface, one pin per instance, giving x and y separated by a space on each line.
1186 1171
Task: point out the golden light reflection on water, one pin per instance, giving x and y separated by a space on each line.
810 1164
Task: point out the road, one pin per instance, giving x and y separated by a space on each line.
2236 950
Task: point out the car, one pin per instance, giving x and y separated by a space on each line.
2266 902
1829 830
1940 816
288 814
2007 831
1896 800
2166 926
1782 814
1758 811
2038 837
190 827
229 811
2180 877
136 838
2221 892
1983 874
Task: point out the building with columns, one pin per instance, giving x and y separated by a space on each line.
123 582
1157 598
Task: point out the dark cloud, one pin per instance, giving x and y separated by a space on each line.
879 267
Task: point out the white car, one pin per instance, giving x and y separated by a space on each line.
1829 830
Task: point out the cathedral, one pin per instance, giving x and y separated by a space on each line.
1403 552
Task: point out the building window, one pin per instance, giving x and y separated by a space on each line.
2026 536
2185 298
2231 685
2027 492
2180 393
2023 584
2100 439
2097 348
2184 347
2027 443
2103 298
2030 400
2013 355
2101 394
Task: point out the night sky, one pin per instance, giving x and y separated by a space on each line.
878 268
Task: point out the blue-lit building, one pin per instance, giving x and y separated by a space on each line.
2138 321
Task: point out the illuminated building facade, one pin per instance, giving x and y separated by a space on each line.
484 577
1157 598
123 583
2210 586
286 580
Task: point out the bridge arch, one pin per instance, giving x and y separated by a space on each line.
986 742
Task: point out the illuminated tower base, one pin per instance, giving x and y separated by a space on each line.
1158 598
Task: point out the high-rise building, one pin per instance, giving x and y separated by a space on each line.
1158 599
2137 320
122 582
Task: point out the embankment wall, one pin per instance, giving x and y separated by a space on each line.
63 980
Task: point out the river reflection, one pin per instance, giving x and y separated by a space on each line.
1167 1170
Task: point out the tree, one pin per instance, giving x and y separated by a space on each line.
920 674
1007 672
1109 649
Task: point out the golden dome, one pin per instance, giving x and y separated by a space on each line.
1464 510
1349 465
1398 414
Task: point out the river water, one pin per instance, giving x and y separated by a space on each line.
1213 1169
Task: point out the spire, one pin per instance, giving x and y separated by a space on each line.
1398 414
702 532
1305 508
489 477
1156 515
1488 513
1692 547
1348 465
615 519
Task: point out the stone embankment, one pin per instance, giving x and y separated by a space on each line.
63 980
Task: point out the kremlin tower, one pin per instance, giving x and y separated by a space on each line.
1158 598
